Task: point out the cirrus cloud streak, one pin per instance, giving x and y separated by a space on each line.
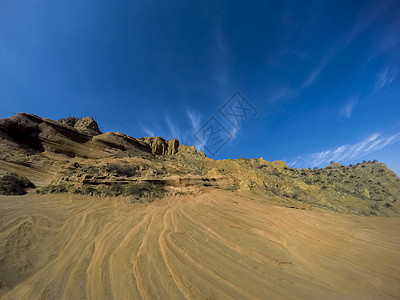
347 153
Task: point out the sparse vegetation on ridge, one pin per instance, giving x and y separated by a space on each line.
81 160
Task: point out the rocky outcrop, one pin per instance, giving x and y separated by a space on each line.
21 131
35 134
71 137
159 146
86 125
77 137
366 188
120 141
184 149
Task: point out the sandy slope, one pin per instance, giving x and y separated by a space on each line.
218 245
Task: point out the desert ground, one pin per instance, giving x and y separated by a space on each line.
213 245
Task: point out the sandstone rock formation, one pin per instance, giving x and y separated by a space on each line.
219 229
86 125
75 137
159 146
42 150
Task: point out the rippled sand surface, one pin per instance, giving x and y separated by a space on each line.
217 245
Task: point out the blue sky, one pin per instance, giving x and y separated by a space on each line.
323 76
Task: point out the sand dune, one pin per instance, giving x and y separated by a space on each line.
216 245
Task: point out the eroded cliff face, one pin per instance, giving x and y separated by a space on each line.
72 156
159 146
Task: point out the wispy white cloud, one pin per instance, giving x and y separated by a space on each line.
345 153
148 131
221 62
195 120
221 74
283 93
234 132
389 40
201 139
173 129
347 110
312 77
385 77
371 11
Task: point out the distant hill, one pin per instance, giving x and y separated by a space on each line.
72 155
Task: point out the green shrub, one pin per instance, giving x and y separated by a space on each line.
122 170
374 206
13 184
146 189
55 189
92 170
295 195
388 204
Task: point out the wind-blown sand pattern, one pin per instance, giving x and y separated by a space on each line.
216 245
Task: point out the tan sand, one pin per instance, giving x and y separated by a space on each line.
217 245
